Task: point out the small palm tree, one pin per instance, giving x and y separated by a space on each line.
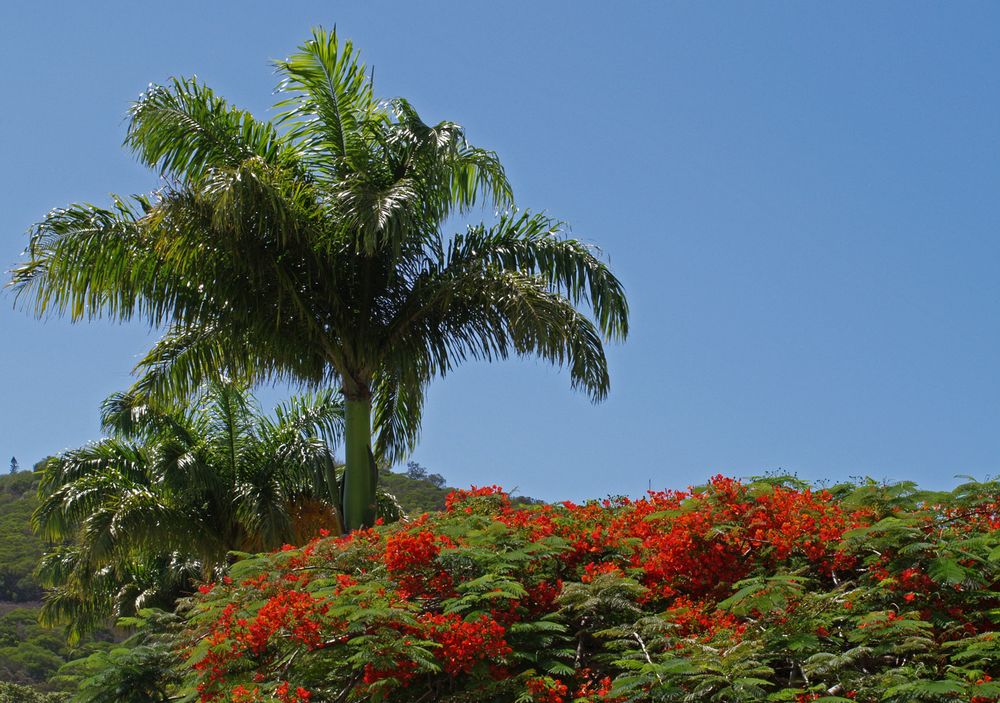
172 490
311 249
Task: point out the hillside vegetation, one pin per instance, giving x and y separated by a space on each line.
20 547
30 655
16 693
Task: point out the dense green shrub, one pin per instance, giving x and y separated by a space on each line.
143 669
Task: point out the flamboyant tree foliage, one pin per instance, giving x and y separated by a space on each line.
312 249
757 591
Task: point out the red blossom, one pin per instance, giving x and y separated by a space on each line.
465 644
546 690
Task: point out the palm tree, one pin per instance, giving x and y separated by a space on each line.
311 249
173 490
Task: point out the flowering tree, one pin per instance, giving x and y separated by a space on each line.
756 591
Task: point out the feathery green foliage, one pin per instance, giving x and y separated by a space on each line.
140 670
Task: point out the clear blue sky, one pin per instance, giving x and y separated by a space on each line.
802 200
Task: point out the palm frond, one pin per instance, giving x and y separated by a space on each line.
330 101
376 215
229 409
255 202
187 469
451 168
186 130
397 407
110 455
134 417
488 313
185 359
318 413
533 244
86 261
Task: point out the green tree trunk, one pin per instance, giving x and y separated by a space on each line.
327 477
359 480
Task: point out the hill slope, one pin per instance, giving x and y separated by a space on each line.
20 548
29 653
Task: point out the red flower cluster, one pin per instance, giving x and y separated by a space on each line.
986 678
591 570
465 644
702 543
462 645
285 694
546 690
407 551
295 614
493 497
694 617
410 556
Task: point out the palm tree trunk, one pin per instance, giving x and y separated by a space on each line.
327 478
359 481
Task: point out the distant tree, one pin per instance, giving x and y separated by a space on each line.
14 466
415 471
436 480
415 495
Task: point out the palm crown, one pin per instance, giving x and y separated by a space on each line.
172 490
310 249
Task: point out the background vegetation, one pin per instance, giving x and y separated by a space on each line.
31 655
20 547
